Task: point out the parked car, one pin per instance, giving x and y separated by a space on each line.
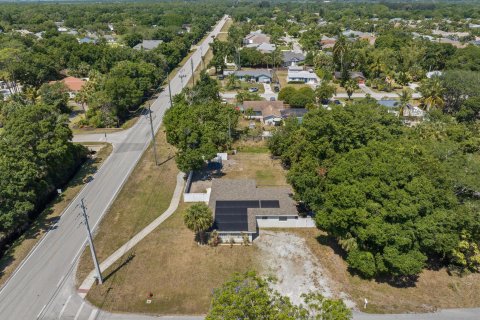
220 77
272 98
253 89
276 89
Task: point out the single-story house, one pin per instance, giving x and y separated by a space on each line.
327 42
240 208
86 40
258 75
73 84
298 113
370 37
263 47
291 58
357 76
256 37
296 75
148 45
268 112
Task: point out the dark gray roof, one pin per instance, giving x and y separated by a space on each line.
247 190
148 44
289 56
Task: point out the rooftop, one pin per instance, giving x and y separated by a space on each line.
266 108
148 44
237 202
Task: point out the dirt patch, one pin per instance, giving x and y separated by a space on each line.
287 257
435 289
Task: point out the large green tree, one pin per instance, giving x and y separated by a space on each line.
248 296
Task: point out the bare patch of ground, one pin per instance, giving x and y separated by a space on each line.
434 289
287 257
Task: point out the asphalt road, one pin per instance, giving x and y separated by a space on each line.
42 280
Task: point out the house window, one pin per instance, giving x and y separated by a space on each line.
282 219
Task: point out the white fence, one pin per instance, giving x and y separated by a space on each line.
285 222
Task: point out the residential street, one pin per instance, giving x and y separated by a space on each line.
41 287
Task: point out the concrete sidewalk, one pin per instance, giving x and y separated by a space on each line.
177 194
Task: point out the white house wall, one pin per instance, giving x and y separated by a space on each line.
291 222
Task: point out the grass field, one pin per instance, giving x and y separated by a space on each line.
144 197
256 164
20 248
169 264
434 288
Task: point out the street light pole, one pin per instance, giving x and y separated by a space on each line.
90 241
153 136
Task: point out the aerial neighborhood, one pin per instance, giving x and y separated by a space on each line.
213 159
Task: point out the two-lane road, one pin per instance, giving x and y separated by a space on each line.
42 275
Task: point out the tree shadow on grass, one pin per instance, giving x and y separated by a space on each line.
394 281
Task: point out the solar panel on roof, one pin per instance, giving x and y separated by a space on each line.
238 203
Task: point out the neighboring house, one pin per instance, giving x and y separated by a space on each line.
73 84
258 75
256 37
268 112
148 45
62 29
327 43
370 37
187 27
391 105
357 76
109 38
299 75
413 114
87 40
263 47
240 208
72 32
291 58
298 113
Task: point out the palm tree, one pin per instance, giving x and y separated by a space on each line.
405 96
199 219
350 86
432 94
339 49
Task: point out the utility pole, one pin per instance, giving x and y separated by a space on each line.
90 241
169 90
193 77
153 135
